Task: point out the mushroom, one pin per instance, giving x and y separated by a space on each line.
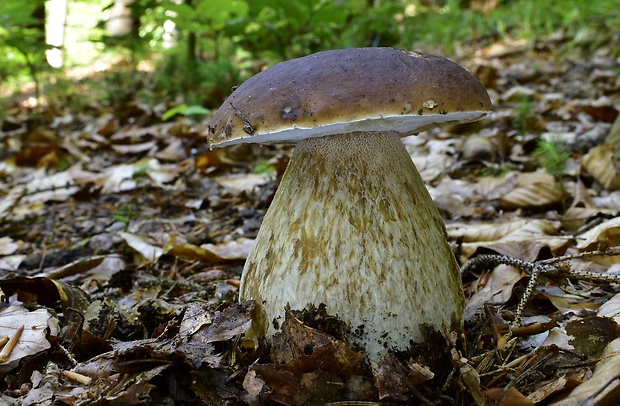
352 225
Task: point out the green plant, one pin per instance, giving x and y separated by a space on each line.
22 40
525 110
452 23
552 156
191 111
497 170
125 213
141 170
263 167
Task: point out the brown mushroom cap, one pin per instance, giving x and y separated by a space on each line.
348 90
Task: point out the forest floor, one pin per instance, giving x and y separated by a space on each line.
123 237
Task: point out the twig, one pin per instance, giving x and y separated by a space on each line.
8 348
554 266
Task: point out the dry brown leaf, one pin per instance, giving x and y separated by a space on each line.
533 189
191 252
526 250
471 232
235 249
117 178
390 379
540 231
33 338
307 364
504 48
242 182
600 163
611 308
610 201
199 326
431 167
494 188
174 152
510 397
150 253
590 335
135 148
497 290
607 233
80 266
557 386
581 209
603 388
8 246
25 199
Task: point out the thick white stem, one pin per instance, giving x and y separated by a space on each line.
353 226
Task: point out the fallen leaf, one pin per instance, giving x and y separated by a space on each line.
603 387
150 253
510 397
534 189
8 246
607 233
600 163
33 339
233 250
242 182
611 309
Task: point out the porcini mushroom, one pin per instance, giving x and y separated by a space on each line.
352 225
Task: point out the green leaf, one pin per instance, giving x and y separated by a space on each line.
195 110
184 109
173 112
331 14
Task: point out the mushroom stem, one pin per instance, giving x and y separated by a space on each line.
353 226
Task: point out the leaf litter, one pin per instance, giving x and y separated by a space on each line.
121 248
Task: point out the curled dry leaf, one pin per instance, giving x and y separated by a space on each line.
117 178
526 250
46 292
80 266
600 163
607 232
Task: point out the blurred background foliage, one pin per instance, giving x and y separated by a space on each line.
71 52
